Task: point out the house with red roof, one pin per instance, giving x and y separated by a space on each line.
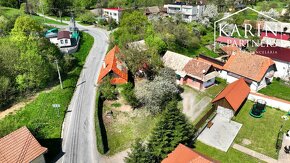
281 57
114 13
230 100
232 41
114 67
21 146
183 154
258 71
198 74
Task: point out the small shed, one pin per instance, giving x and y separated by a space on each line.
230 100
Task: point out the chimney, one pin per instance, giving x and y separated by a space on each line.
104 64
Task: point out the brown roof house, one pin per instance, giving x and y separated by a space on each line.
199 74
257 70
230 100
20 146
192 72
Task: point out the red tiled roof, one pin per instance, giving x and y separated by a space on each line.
232 41
275 53
197 68
215 63
113 64
183 154
271 35
114 9
230 49
248 65
235 93
63 34
20 146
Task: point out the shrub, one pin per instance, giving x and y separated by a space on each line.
128 93
87 18
107 89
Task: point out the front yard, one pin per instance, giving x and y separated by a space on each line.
260 134
277 89
232 156
124 127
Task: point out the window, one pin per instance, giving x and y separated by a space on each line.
115 14
66 41
61 41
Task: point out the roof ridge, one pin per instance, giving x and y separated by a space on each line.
25 147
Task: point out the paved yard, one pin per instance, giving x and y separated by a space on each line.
221 134
192 106
283 157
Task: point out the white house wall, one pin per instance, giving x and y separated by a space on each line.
282 68
114 14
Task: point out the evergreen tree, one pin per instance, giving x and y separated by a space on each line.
172 129
139 153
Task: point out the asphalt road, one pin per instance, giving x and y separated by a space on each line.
79 140
79 143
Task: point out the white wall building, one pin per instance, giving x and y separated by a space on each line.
188 13
114 13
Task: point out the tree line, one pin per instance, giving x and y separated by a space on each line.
27 58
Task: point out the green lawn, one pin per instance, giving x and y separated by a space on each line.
262 132
125 128
194 52
12 11
232 156
277 89
40 117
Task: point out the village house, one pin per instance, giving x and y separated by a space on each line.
257 70
198 74
114 13
217 64
114 67
188 12
67 40
183 154
231 99
274 42
192 72
281 57
21 146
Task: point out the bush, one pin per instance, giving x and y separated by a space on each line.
101 135
128 93
87 18
107 89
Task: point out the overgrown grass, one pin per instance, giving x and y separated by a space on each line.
231 156
278 89
262 132
194 52
46 20
40 117
124 128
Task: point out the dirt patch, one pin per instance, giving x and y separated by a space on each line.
13 109
246 142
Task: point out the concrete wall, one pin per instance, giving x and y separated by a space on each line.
271 101
39 159
282 68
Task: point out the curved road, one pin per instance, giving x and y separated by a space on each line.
79 143
79 140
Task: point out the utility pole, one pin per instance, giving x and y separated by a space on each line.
59 77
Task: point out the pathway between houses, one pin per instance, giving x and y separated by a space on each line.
192 108
254 154
117 158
